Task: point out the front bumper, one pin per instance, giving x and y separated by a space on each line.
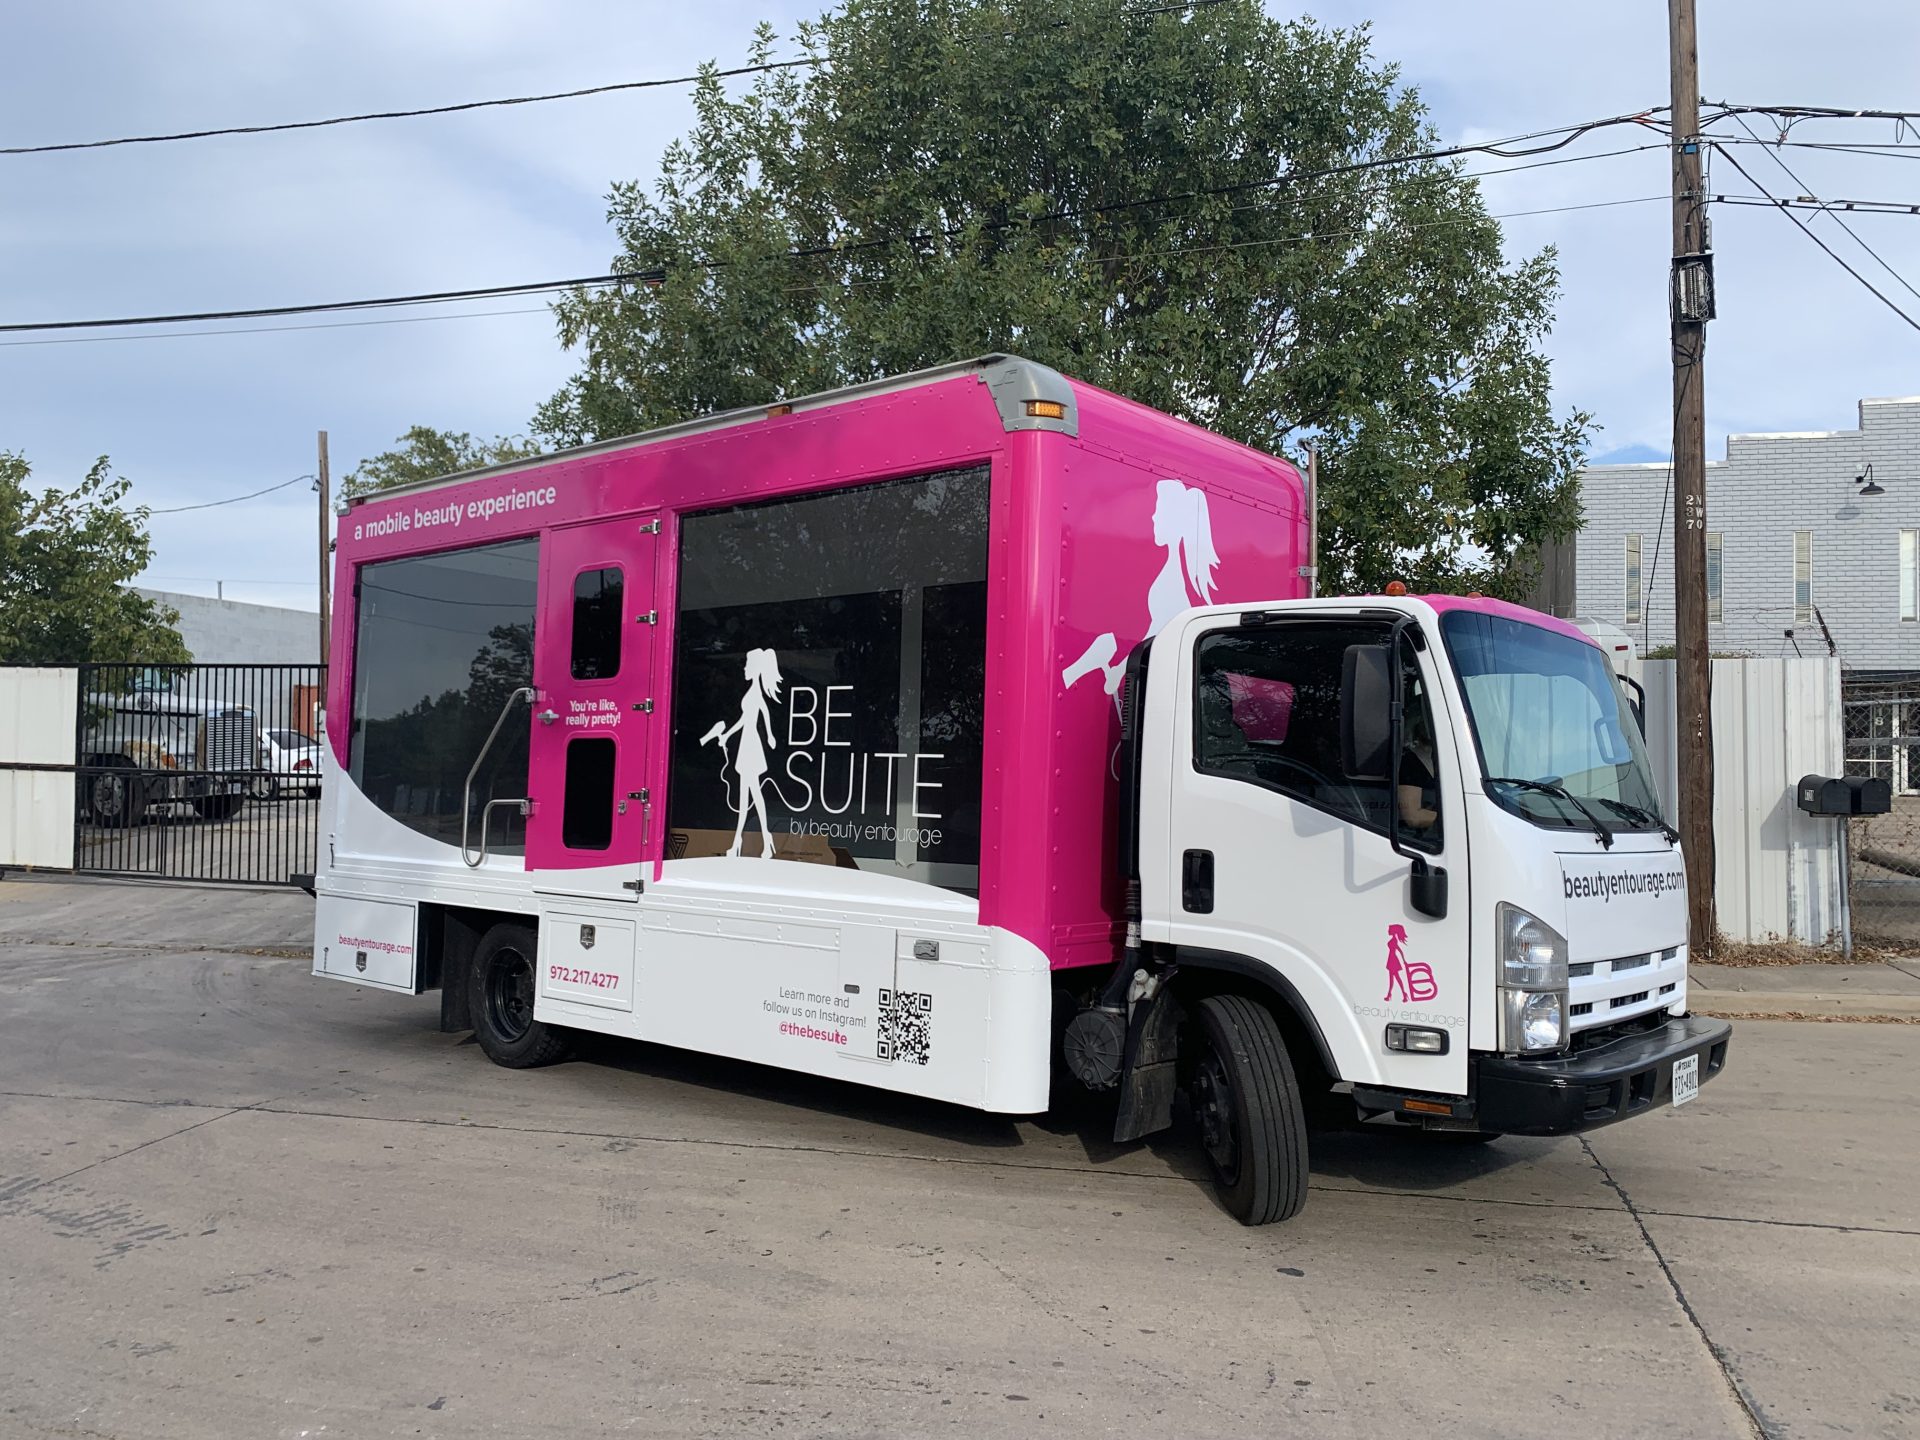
1558 1095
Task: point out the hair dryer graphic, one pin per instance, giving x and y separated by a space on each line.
1099 657
718 732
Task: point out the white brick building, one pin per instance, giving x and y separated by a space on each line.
1791 541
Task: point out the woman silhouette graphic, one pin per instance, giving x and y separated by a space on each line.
749 755
1183 528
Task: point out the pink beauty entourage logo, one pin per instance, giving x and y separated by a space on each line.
1413 979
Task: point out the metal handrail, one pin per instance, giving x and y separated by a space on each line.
525 692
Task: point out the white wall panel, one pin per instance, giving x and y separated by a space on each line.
37 728
1777 870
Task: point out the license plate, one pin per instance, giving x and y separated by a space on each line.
1686 1079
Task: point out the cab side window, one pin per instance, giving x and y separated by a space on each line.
1267 712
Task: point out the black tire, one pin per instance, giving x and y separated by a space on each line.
218 807
501 983
264 787
1246 1103
115 796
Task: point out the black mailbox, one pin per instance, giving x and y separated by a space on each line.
1870 796
1819 795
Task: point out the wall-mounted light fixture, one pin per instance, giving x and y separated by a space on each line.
1868 485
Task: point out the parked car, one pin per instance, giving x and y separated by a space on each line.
292 763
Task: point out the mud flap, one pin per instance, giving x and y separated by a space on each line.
1148 1081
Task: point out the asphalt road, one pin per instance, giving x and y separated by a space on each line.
237 1201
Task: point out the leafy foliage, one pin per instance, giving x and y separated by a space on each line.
66 557
424 453
968 176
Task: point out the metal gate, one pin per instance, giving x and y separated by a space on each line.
198 772
1883 740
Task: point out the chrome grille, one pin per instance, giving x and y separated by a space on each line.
230 742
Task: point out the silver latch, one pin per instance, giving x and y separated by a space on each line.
548 716
645 707
651 527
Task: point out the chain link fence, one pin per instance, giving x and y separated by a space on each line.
1883 741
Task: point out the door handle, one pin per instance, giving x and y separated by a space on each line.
1196 882
548 716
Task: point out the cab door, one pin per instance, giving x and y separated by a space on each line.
592 817
1273 855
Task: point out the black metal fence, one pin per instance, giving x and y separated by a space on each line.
198 772
1883 740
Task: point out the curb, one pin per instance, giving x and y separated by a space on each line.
1805 1005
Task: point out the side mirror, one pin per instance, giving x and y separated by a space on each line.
1636 702
1427 889
1366 712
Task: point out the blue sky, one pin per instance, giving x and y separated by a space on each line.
517 194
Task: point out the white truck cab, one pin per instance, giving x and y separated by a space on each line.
1424 833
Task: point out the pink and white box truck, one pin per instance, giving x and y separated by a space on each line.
972 732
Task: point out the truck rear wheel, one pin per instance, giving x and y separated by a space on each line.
1247 1105
501 985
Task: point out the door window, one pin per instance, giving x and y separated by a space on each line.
586 821
597 623
440 643
1267 712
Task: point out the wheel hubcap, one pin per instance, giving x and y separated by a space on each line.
1213 1107
510 995
108 794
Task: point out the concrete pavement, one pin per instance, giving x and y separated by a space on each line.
238 1201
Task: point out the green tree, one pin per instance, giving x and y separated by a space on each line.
975 175
424 453
66 557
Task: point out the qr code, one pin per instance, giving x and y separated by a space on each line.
906 1026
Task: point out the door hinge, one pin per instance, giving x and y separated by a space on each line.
652 617
652 527
645 707
634 885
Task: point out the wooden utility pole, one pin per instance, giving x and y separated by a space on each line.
1690 303
325 486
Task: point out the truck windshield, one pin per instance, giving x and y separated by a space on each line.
1548 717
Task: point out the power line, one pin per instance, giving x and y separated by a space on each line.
467 105
657 274
1808 232
1807 189
796 289
455 109
232 499
1808 202
275 329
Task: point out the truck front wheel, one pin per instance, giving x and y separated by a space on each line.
1246 1103
501 984
115 796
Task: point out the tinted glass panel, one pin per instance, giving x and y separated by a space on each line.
1268 712
829 674
440 642
587 821
596 624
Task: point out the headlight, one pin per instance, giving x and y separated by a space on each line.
1533 956
1533 1020
1533 983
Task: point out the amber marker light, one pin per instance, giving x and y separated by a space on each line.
1046 410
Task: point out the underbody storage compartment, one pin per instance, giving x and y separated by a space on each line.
370 942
